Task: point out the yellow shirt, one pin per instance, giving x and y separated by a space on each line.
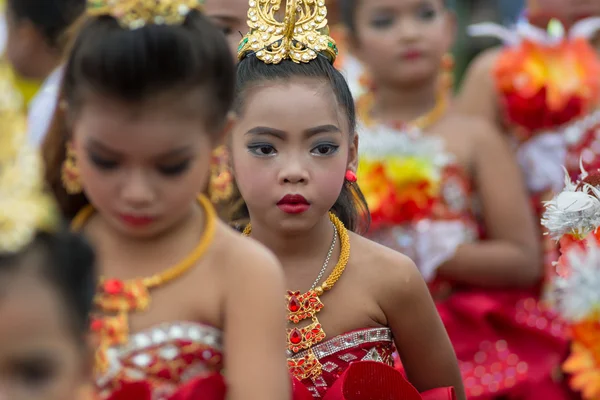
28 89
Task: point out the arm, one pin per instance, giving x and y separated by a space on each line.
422 342
511 255
255 327
477 95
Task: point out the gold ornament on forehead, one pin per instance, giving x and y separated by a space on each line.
135 14
25 207
301 37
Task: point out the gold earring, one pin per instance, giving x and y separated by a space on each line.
448 64
70 173
221 178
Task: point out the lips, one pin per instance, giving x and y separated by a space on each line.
136 221
411 54
293 204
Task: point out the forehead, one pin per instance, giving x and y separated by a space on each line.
31 312
156 124
395 4
226 8
292 106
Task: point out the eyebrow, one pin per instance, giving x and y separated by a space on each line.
279 134
169 154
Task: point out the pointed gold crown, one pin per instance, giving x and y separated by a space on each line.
25 207
134 14
301 36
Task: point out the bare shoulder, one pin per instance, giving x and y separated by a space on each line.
240 257
393 274
477 95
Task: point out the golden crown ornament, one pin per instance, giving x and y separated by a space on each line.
301 37
135 14
25 207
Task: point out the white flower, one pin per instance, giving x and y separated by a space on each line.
577 295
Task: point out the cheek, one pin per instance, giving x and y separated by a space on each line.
254 177
98 186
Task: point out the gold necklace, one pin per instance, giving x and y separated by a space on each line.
123 297
302 306
366 103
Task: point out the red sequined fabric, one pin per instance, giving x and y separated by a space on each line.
165 358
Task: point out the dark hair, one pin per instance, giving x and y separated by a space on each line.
136 65
351 206
349 7
50 17
65 261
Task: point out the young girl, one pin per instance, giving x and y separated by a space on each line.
46 276
35 46
147 89
421 178
294 155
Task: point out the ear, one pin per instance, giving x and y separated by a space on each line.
353 154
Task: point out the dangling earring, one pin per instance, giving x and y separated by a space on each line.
221 178
70 173
447 82
351 176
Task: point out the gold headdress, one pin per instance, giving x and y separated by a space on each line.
25 208
301 36
134 14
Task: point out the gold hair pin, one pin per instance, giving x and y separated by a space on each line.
25 208
135 14
301 36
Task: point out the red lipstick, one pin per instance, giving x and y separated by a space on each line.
136 221
411 54
293 204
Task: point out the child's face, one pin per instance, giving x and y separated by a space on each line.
40 357
291 139
231 17
402 41
22 43
142 165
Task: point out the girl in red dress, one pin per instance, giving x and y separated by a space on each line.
294 155
445 190
146 92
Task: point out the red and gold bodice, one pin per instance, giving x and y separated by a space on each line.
166 357
338 353
420 199
548 83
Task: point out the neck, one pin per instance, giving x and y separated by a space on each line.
146 255
404 104
313 243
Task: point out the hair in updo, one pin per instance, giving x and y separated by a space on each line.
65 262
134 66
51 18
351 206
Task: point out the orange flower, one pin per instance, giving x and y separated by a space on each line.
545 86
584 361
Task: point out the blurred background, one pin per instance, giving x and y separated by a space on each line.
469 12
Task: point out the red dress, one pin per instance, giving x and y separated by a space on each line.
506 342
163 359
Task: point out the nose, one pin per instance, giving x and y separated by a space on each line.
137 190
293 172
408 29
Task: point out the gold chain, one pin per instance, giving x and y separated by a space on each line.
177 270
366 103
339 268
